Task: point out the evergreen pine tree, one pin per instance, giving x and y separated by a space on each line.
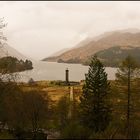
95 107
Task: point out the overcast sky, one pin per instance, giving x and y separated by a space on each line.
39 29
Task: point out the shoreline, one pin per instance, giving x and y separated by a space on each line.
73 63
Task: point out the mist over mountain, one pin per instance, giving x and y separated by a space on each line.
60 52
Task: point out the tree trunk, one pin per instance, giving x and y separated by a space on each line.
128 102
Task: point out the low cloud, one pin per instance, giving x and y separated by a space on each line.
46 27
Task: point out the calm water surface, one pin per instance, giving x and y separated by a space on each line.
56 71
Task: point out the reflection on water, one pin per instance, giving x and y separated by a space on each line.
56 71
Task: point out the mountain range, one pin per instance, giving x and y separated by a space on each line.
6 50
82 52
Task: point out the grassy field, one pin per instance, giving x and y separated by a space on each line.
54 91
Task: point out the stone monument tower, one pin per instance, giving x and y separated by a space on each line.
67 76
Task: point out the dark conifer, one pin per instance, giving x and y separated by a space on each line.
95 107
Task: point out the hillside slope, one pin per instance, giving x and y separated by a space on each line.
112 57
6 50
107 40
